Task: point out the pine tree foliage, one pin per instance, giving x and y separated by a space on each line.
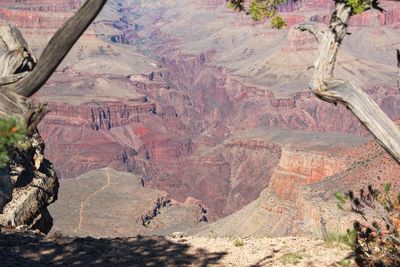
376 238
261 9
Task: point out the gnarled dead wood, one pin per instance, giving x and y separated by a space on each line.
58 47
21 75
398 69
19 57
326 87
312 28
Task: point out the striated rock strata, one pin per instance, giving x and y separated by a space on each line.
302 190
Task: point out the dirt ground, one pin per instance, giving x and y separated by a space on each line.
18 248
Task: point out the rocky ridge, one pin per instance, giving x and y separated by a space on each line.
297 197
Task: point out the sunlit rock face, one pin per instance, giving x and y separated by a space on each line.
185 94
302 187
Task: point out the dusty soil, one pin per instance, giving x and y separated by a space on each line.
19 248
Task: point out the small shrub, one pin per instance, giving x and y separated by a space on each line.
376 241
238 242
345 263
212 234
278 22
334 238
12 132
291 258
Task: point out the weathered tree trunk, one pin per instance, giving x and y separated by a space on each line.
398 69
325 86
21 76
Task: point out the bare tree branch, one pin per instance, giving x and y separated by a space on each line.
21 77
312 28
326 87
14 40
58 47
12 78
398 67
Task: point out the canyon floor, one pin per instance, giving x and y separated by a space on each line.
30 249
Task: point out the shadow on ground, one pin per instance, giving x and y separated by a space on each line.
17 249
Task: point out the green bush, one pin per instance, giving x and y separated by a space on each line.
341 238
291 258
376 241
12 132
258 10
238 242
278 22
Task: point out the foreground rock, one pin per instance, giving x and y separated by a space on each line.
28 249
28 185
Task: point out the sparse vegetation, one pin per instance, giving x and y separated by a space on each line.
376 239
345 263
12 132
291 258
212 234
335 238
238 242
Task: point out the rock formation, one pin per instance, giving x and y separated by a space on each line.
299 194
31 186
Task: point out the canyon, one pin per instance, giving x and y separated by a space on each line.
211 108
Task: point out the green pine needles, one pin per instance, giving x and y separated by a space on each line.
261 9
12 133
376 238
359 6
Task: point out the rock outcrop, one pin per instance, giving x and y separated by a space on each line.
30 185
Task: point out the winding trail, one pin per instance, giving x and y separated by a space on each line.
88 198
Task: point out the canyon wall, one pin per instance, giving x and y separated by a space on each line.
302 188
185 95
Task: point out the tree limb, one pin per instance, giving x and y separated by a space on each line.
398 67
19 57
312 28
12 78
58 47
326 87
20 74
